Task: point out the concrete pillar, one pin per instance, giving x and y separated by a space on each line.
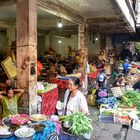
82 36
26 24
83 43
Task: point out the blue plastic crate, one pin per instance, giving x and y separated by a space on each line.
106 119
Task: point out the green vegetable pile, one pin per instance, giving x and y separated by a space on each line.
80 123
107 113
131 99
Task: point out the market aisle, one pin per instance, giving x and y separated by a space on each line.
110 131
103 131
106 131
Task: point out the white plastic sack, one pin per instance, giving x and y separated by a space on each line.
39 102
40 86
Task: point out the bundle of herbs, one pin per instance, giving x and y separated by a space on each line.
80 123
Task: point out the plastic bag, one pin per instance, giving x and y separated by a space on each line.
91 98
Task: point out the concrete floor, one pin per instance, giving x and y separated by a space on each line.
110 131
107 131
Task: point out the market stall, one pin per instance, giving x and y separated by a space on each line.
125 111
62 81
22 126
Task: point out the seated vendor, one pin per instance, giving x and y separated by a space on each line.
39 67
136 86
101 55
53 66
115 74
62 70
9 101
120 81
102 64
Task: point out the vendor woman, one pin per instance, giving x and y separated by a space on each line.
10 101
74 101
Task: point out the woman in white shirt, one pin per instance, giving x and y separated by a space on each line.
74 100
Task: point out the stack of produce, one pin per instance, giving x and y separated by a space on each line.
45 87
80 123
131 79
131 99
117 91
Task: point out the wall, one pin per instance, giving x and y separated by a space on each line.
109 43
3 40
62 48
40 44
47 41
94 48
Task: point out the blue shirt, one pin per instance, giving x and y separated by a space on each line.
126 66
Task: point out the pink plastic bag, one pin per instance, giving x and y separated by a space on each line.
19 119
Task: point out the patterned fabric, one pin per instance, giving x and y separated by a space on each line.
50 127
93 75
110 100
62 83
49 100
101 93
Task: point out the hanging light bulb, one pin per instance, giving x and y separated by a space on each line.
59 41
60 24
96 38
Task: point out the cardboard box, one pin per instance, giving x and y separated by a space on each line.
124 120
136 125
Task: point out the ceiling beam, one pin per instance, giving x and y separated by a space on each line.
110 28
59 9
73 27
65 32
103 19
57 30
7 2
4 24
117 24
113 31
53 23
68 32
